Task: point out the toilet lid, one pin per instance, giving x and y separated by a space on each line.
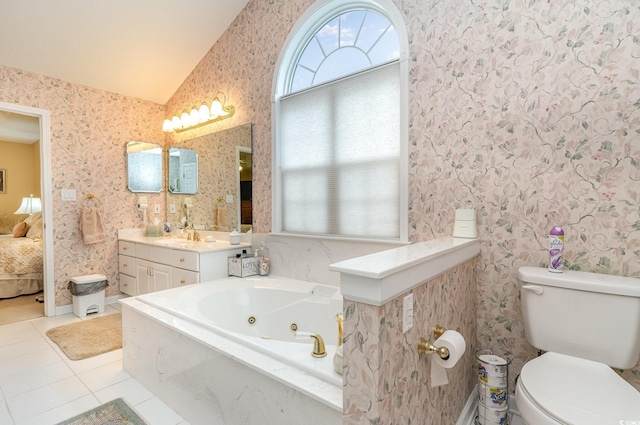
578 391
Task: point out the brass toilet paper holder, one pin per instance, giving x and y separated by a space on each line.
426 347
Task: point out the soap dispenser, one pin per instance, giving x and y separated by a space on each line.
264 265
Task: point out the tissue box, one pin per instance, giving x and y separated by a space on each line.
153 231
243 267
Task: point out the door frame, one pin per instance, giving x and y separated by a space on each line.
47 201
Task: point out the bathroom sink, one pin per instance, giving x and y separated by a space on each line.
183 243
176 242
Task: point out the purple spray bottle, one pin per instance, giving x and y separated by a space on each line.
556 249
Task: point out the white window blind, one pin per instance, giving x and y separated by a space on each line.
339 159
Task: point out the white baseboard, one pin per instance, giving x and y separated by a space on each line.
66 309
468 415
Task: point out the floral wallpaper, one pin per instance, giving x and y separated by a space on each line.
89 131
386 381
527 111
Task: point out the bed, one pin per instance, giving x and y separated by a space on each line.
21 270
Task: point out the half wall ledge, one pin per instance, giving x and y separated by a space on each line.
378 278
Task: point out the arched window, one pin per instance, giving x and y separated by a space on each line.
340 124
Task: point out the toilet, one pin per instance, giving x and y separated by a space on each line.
587 323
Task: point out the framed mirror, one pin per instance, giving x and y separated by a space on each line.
144 167
218 191
183 171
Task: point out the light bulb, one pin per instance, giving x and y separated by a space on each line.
175 122
185 120
167 125
216 108
204 113
194 117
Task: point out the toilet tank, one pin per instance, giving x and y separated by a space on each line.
587 315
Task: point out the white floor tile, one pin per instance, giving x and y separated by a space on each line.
64 412
39 385
131 390
35 402
104 376
23 347
27 362
36 377
5 418
17 332
156 412
82 366
43 324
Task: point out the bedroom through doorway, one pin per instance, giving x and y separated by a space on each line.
23 277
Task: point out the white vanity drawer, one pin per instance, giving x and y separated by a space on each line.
127 248
161 255
127 284
127 265
185 260
144 251
181 277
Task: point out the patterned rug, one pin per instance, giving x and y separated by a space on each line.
115 412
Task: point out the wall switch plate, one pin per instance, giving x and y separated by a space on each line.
156 208
68 194
229 199
172 208
407 313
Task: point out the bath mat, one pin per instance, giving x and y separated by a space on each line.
90 337
115 412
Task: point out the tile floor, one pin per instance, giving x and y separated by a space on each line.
39 385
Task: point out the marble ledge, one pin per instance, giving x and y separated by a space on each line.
306 383
380 277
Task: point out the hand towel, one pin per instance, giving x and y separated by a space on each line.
222 219
91 226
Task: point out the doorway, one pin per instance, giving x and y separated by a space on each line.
244 189
43 168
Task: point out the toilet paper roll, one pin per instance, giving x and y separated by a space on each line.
454 342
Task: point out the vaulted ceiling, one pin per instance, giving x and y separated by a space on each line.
139 48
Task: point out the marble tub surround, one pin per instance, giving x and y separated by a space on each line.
309 258
378 278
212 379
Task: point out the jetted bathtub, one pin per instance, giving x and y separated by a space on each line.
247 363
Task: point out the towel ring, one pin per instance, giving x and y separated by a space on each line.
218 200
90 196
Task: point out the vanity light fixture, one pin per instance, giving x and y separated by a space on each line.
206 113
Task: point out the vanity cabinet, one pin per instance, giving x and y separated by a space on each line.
145 268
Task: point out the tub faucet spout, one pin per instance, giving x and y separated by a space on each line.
340 328
318 343
318 346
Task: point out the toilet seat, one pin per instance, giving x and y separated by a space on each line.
558 389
